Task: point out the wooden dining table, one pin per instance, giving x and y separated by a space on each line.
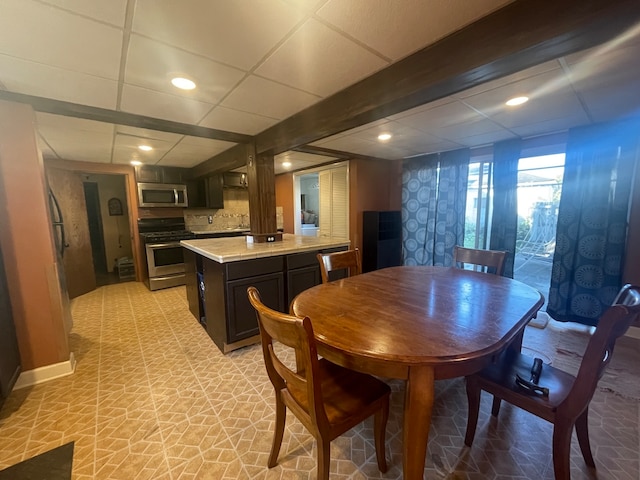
420 324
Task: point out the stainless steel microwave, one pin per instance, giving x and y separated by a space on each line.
162 195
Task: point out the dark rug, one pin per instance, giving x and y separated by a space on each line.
52 465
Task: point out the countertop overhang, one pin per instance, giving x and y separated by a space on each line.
235 249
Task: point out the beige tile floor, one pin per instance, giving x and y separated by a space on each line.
152 398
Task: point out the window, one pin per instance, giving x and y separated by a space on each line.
539 189
478 210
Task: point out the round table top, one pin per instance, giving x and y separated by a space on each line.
419 315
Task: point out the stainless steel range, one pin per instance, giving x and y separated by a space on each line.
165 262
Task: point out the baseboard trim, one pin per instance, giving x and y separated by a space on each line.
44 374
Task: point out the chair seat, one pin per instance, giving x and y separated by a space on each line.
344 392
499 379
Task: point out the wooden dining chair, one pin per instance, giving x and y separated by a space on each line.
490 261
566 404
327 398
348 261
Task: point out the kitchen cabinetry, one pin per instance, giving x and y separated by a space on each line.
156 174
224 309
9 353
206 192
381 240
303 271
228 316
235 180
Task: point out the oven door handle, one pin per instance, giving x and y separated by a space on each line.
163 245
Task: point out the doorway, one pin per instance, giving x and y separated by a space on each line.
321 200
105 198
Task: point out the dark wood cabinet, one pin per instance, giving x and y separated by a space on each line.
235 179
303 272
206 192
381 240
9 353
228 316
157 174
242 317
223 307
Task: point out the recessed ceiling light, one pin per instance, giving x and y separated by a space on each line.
383 137
135 163
145 148
183 83
512 102
286 164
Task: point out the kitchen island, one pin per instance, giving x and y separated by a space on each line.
219 271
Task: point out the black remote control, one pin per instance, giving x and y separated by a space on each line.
536 369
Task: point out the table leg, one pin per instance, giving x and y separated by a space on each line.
418 406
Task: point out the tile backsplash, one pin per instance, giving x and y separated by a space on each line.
234 214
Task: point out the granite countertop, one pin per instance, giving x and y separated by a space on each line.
234 249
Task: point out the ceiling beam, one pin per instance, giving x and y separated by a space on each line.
329 152
59 107
522 34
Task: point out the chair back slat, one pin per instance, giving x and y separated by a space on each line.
490 261
297 334
348 261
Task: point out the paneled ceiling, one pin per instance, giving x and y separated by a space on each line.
257 62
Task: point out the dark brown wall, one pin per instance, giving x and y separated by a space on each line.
373 185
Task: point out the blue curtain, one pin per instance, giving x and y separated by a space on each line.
434 194
504 223
592 222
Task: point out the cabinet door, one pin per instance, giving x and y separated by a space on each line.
241 315
214 192
148 174
300 279
173 175
196 193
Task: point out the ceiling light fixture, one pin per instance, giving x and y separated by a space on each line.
286 164
135 163
512 102
183 83
145 148
383 137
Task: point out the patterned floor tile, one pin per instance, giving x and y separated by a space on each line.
153 398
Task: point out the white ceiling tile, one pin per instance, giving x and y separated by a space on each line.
111 11
62 123
264 97
235 33
45 81
194 150
540 108
436 146
397 29
162 105
54 37
549 126
485 138
152 65
231 120
84 146
538 87
612 101
446 114
459 131
126 149
304 59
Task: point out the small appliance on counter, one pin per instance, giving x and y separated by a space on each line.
165 261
